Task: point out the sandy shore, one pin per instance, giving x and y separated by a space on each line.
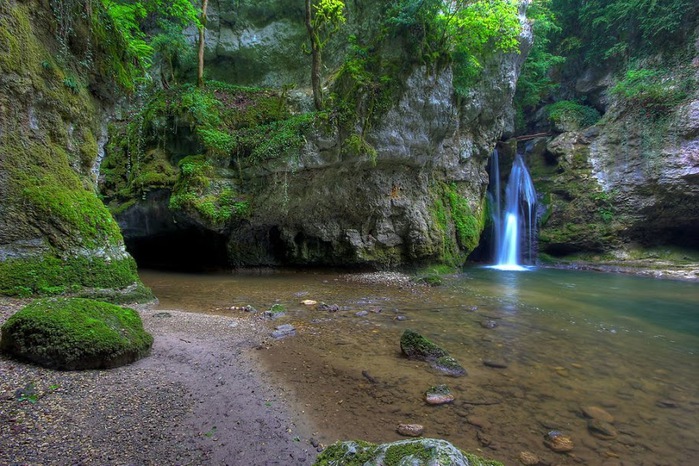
201 397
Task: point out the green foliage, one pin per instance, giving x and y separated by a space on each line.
75 333
535 82
195 192
277 308
652 91
598 30
462 32
71 84
327 18
572 114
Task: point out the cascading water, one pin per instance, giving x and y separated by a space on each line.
514 228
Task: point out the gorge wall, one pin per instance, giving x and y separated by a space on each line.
392 174
630 182
55 234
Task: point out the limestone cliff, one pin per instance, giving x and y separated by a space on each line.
394 173
55 234
632 180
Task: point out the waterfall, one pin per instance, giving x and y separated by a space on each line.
514 228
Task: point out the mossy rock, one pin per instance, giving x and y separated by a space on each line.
423 451
415 346
75 333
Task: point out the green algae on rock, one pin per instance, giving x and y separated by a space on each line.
424 451
75 333
415 346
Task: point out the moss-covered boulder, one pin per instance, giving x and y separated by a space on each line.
403 452
415 346
75 333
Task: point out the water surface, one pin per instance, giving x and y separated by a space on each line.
569 339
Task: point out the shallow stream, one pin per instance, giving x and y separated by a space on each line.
569 340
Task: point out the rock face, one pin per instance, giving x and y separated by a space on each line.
631 180
419 451
55 234
395 176
75 333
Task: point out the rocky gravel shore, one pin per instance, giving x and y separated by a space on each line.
201 397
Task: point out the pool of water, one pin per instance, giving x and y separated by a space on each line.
569 340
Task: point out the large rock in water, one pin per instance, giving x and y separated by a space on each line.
403 452
416 346
394 174
75 333
55 233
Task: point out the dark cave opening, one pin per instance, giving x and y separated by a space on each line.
186 250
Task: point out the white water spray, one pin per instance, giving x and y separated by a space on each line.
514 229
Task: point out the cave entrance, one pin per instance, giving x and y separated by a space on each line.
186 250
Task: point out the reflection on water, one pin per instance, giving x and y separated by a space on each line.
569 340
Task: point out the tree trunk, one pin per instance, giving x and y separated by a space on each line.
200 72
315 57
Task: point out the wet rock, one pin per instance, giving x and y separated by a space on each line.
415 346
595 412
449 366
439 395
429 451
528 458
400 318
328 307
483 439
410 430
666 404
362 313
479 422
489 324
601 429
495 363
284 331
375 309
558 442
162 314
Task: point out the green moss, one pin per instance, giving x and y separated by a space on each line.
571 115
355 453
468 226
52 275
415 346
19 50
399 454
75 333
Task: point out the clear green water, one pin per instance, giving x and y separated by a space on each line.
569 339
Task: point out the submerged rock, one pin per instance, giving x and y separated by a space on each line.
439 395
558 442
284 331
595 412
410 430
415 346
403 452
601 429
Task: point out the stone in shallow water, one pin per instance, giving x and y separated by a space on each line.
439 395
528 458
410 430
595 412
284 331
602 430
558 442
489 324
495 363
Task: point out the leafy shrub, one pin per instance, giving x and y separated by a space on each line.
655 91
571 116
